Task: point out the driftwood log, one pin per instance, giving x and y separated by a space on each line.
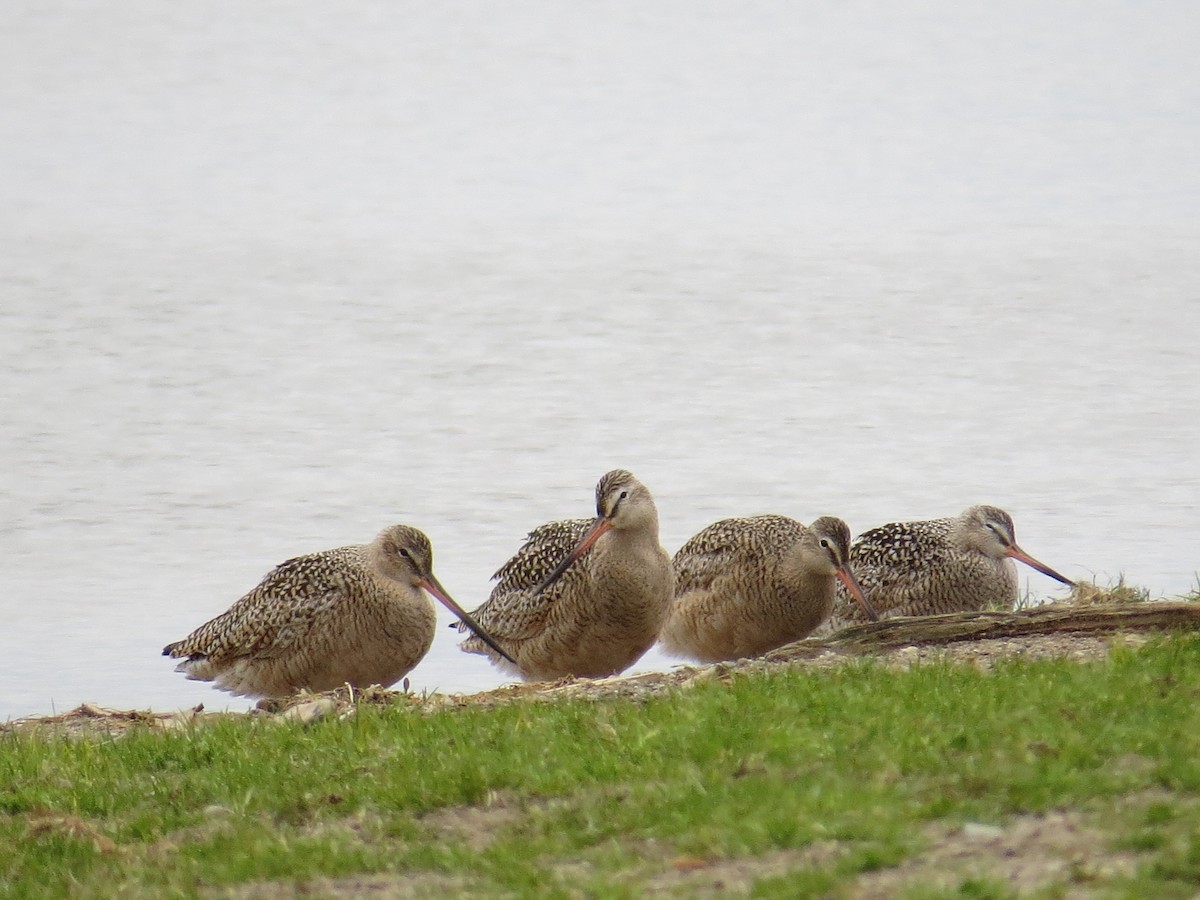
1110 618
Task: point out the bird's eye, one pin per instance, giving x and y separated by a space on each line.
825 543
624 494
404 553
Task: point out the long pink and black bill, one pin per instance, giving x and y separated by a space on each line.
846 577
1018 554
597 528
435 588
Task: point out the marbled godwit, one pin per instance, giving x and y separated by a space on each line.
938 566
560 610
746 586
355 615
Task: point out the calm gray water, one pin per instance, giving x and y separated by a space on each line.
275 276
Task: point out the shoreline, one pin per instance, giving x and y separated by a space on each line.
1083 628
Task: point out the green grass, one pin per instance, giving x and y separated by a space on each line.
605 798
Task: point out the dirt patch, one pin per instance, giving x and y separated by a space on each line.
1058 851
693 877
1028 855
382 886
72 828
474 826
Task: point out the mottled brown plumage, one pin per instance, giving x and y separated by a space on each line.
562 610
355 615
938 566
746 586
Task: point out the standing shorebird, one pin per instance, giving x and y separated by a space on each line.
560 610
355 615
939 566
746 586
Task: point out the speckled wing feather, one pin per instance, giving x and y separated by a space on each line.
897 557
275 616
513 611
732 545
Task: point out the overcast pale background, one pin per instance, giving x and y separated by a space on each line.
273 276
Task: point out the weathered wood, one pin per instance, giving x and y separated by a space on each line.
1167 615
